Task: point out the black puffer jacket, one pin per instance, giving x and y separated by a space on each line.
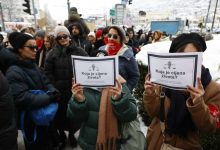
23 77
8 129
7 58
58 67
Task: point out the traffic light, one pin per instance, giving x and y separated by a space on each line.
187 22
130 2
27 5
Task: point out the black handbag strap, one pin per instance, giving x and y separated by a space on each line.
162 109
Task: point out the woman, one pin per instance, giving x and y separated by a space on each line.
48 44
101 111
8 129
133 42
24 76
128 67
58 67
182 109
157 35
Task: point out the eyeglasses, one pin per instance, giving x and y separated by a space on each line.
115 36
32 47
62 37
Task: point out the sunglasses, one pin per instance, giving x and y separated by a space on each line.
115 36
62 37
32 47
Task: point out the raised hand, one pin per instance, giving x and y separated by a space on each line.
149 86
196 93
77 92
116 91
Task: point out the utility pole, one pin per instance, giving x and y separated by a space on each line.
207 16
2 17
213 21
68 6
34 13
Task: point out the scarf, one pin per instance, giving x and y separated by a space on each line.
105 40
108 132
113 47
179 120
107 125
40 43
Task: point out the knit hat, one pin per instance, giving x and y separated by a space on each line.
186 38
91 34
18 39
40 33
98 33
59 29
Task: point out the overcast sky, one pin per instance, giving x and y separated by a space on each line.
58 8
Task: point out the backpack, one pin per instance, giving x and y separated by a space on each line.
132 136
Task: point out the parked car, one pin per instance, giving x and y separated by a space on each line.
216 30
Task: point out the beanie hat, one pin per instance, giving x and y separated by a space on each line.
186 38
18 39
91 34
98 33
59 29
40 33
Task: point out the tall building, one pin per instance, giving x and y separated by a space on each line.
13 11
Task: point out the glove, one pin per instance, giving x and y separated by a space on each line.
54 96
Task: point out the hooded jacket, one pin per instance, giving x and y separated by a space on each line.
128 67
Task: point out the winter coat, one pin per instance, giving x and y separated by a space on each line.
133 43
7 58
23 76
8 129
128 67
58 68
206 124
88 113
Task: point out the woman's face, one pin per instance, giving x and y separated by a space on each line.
29 50
63 39
130 34
113 35
190 48
47 43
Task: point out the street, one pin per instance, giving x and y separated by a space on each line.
21 143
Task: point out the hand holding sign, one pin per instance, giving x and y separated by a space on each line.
77 92
116 91
196 93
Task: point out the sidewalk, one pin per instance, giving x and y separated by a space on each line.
21 143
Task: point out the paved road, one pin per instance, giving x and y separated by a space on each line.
21 143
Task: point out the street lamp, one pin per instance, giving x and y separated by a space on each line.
2 17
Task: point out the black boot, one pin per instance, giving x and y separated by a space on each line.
62 141
72 140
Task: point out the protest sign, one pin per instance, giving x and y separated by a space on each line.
175 70
95 71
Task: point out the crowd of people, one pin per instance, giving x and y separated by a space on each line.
38 60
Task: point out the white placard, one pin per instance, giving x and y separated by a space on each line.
95 71
175 70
